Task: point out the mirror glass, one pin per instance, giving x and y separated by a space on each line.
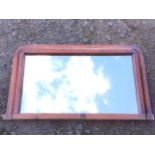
78 84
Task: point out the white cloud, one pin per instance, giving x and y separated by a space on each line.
77 88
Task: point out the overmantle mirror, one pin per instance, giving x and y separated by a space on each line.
78 82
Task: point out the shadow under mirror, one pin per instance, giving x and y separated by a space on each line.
78 84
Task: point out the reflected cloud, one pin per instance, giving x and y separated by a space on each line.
63 84
117 57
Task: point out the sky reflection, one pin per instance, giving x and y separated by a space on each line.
78 84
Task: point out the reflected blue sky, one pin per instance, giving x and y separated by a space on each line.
78 84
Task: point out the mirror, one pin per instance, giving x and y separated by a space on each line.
78 84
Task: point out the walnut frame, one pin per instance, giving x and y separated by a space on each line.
13 105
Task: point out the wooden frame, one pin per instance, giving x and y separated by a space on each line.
145 112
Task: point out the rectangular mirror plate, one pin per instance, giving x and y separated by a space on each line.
79 84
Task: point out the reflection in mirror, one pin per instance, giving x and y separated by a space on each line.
78 84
